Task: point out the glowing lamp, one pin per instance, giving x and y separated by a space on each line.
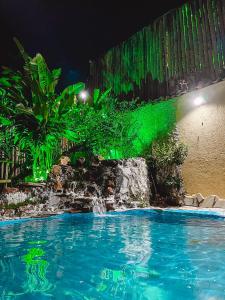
199 101
84 95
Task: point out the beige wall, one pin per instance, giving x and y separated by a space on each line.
202 128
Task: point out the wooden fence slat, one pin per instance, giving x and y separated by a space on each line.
191 47
10 169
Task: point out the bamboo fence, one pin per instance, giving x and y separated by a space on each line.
181 51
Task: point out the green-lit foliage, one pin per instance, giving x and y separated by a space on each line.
37 118
37 115
121 129
6 141
6 136
151 121
104 126
99 100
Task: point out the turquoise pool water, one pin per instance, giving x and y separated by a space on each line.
132 255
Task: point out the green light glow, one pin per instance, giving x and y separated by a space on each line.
36 269
37 242
183 43
148 123
131 67
153 120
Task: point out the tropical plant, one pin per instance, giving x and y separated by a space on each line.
104 126
31 107
36 117
6 143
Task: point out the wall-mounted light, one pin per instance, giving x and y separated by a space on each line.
83 95
199 101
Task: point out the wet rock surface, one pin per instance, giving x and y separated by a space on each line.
108 185
103 185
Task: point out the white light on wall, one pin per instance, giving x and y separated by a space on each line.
83 95
199 101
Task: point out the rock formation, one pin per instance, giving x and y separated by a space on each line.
198 200
103 185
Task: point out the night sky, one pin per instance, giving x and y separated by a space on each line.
69 33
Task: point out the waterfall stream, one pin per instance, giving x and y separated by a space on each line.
98 205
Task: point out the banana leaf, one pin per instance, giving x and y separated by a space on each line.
5 121
43 72
96 94
74 89
104 95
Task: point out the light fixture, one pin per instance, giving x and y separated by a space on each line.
199 101
83 95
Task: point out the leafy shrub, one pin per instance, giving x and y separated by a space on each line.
165 158
104 128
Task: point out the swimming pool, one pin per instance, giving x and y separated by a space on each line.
133 255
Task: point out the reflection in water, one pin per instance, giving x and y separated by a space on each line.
36 269
136 247
207 242
137 241
129 256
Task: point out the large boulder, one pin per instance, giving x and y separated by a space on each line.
220 203
189 201
132 182
194 200
209 201
61 174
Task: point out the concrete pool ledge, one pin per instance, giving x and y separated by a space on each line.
220 212
31 216
214 212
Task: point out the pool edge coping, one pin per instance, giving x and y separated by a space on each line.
185 209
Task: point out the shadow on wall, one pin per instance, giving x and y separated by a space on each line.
201 123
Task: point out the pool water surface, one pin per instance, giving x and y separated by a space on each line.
133 255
